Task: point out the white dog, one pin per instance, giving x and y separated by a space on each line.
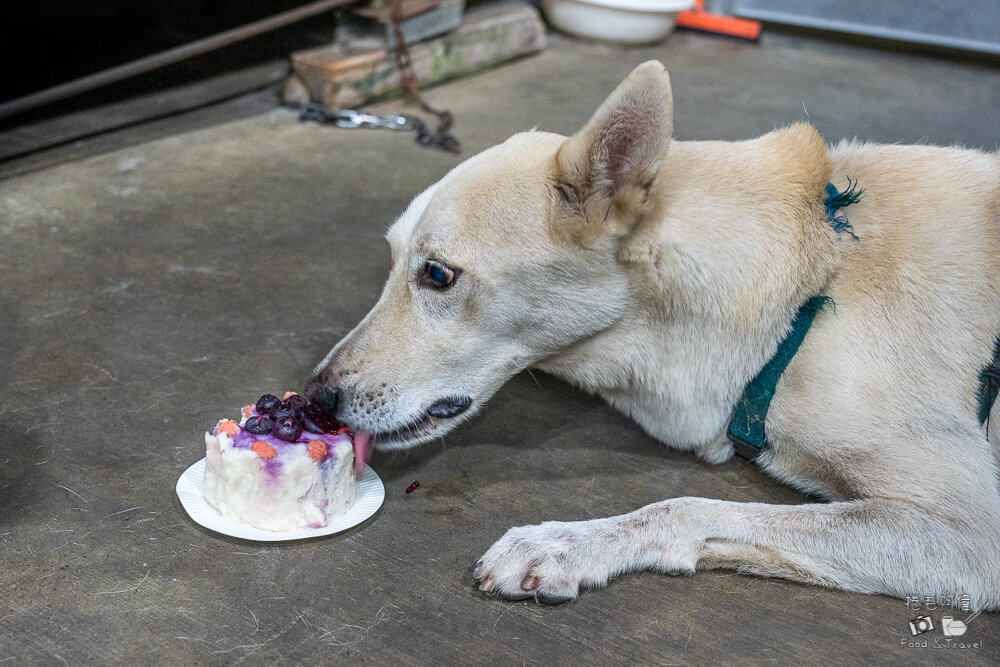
668 277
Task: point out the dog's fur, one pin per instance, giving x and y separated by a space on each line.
662 275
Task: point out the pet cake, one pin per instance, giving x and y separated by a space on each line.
285 465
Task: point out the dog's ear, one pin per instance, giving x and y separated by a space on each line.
605 171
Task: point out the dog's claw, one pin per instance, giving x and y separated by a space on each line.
529 583
477 571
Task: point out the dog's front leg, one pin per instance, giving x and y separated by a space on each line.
551 561
872 546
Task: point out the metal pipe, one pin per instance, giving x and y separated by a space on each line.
168 57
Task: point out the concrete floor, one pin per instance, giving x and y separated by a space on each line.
149 291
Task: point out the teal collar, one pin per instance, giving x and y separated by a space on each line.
746 428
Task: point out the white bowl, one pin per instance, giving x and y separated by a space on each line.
624 21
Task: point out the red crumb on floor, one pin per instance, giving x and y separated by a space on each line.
287 394
227 426
247 411
263 450
317 450
413 487
344 430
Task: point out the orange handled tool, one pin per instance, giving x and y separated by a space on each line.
699 19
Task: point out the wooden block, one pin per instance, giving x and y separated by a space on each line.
344 76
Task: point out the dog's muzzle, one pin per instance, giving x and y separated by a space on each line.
449 407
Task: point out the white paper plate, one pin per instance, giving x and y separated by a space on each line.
370 495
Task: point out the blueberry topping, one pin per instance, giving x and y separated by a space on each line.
296 401
267 403
288 429
314 421
285 410
259 424
311 426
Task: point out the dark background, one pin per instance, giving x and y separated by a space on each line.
44 43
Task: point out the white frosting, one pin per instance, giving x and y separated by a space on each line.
291 491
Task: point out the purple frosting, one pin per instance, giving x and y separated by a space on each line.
245 440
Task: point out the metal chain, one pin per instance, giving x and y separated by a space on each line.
349 118
443 139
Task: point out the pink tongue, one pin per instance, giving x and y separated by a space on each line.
362 451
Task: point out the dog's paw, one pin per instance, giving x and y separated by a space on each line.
548 562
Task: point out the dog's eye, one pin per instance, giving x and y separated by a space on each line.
438 276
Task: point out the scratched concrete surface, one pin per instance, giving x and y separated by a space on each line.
149 291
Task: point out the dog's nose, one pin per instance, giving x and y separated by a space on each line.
449 407
324 397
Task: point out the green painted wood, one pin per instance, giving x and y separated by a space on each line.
347 75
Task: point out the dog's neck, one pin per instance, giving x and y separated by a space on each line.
736 241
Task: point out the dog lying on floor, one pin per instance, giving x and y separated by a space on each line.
666 277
